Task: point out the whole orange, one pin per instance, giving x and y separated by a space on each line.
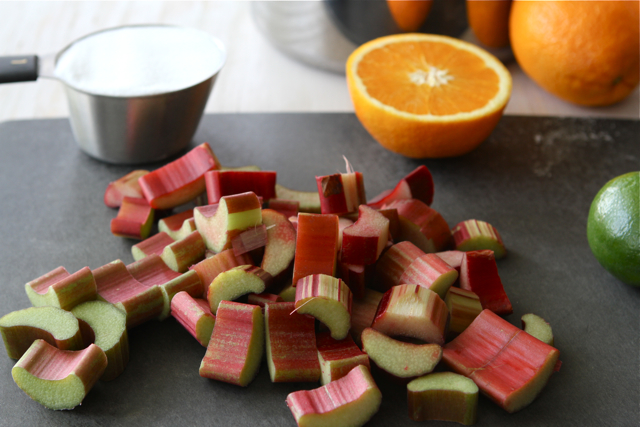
585 52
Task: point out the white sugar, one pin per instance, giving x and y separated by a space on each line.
140 61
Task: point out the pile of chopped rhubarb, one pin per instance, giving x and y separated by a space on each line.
329 287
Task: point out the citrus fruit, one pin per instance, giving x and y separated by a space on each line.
613 227
585 52
425 95
489 21
409 15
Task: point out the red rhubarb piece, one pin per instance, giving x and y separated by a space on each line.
357 277
316 245
453 258
464 306
180 181
179 225
341 193
151 245
134 219
285 207
227 183
194 315
432 272
393 263
263 299
58 288
328 299
209 268
249 240
363 311
126 186
474 235
479 274
338 357
416 185
363 242
281 245
183 253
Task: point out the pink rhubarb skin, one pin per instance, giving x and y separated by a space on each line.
182 254
341 193
338 358
431 272
194 315
363 242
134 219
236 346
226 183
263 299
363 311
416 185
508 365
328 299
126 186
471 235
285 207
291 344
453 258
393 263
179 225
151 245
479 274
61 289
357 277
45 362
280 249
352 400
209 268
179 181
249 239
316 245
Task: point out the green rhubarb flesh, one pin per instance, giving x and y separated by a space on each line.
444 396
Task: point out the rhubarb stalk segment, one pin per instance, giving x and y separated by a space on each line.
61 289
443 396
328 299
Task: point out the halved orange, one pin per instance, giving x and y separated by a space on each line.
427 96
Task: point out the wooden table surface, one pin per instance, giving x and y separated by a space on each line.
256 78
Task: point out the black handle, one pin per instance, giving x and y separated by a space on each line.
18 68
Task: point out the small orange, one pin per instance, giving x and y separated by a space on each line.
585 52
489 20
423 95
409 15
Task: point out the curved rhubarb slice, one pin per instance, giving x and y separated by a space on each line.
237 282
194 315
209 268
479 274
328 299
474 235
430 271
126 186
414 312
180 181
134 219
178 226
509 366
236 346
249 240
60 289
291 344
537 327
317 245
281 244
338 357
21 328
398 358
341 193
109 327
350 401
182 254
58 379
219 224
151 245
416 185
393 263
226 183
422 225
363 242
285 207
443 396
309 201
263 299
464 306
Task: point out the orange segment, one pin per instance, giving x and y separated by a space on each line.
425 95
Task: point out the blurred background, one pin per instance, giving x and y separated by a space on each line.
282 56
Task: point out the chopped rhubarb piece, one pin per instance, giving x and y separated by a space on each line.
291 344
474 235
58 379
422 225
400 359
443 396
393 263
464 306
341 193
188 282
126 186
338 358
219 224
227 183
288 294
414 312
363 311
537 327
209 268
281 245
343 222
182 254
249 239
178 226
479 274
394 222
416 185
328 299
234 283
316 245
116 285
350 401
309 201
134 219
254 168
61 289
357 277
263 299
363 242
151 245
453 258
180 181
236 346
21 328
285 207
109 329
509 366
432 272
194 315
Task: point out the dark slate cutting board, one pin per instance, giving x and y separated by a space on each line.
534 180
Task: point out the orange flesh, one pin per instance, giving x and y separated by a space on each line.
467 84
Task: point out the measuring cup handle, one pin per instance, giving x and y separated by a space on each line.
18 68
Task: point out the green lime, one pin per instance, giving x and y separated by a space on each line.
613 227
